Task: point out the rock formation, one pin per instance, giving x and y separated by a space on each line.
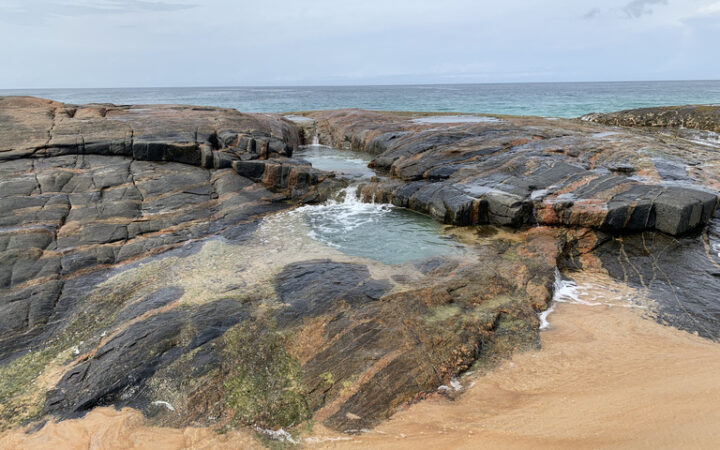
139 266
530 172
697 117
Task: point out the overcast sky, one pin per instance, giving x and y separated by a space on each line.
133 43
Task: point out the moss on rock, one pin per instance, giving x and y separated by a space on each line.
263 384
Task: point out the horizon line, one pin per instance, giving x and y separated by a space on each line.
250 86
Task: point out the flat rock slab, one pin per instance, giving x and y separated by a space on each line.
29 126
212 138
85 213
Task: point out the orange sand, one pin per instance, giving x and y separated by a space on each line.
605 378
107 428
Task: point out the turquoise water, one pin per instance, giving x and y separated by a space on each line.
538 99
376 231
353 165
381 232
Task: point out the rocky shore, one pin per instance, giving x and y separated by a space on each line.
696 117
139 267
526 171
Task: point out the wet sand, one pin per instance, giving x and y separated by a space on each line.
108 428
605 378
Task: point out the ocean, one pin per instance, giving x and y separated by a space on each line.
533 99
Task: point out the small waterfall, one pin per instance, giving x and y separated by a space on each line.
347 213
353 201
351 195
316 138
564 291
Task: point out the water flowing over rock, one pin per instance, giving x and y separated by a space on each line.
140 266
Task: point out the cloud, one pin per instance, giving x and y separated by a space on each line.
639 8
709 10
50 43
633 10
593 13
66 8
705 18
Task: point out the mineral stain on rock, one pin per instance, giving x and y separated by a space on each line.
142 263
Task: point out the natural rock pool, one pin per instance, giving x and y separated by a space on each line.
378 231
345 163
456 119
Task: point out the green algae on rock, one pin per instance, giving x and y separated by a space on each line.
263 384
699 117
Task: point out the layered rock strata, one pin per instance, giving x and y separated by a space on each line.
528 171
144 263
259 146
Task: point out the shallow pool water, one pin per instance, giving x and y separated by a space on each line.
457 119
382 232
347 163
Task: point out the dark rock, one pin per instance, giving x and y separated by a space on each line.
250 169
678 274
679 210
118 370
701 117
526 171
157 299
310 287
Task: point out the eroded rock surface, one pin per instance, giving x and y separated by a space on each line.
87 188
137 271
258 146
527 171
144 260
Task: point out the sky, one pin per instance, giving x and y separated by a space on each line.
147 43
